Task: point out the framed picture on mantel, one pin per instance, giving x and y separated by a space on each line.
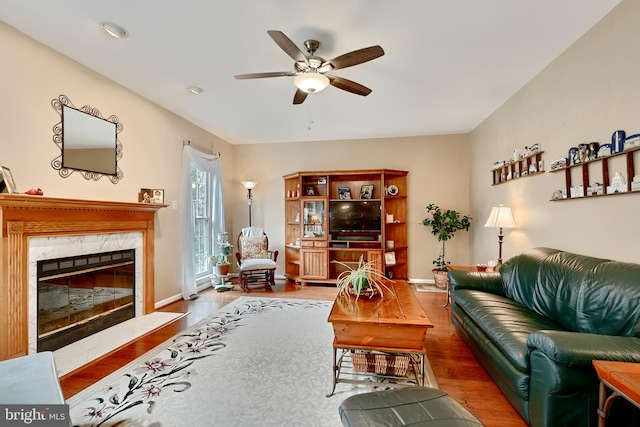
7 184
151 195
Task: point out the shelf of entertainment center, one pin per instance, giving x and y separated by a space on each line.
353 244
354 200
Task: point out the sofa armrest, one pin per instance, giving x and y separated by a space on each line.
578 349
484 281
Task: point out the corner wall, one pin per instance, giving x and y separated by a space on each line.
587 93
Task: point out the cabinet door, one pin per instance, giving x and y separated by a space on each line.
313 263
376 257
314 219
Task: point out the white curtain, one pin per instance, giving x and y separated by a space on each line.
209 163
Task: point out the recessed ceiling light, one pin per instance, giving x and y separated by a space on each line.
114 30
195 89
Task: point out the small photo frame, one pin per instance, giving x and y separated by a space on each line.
7 184
366 191
390 258
145 195
157 196
344 193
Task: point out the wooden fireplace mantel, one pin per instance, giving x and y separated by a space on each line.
25 216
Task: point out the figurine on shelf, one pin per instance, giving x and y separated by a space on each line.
593 150
583 152
617 141
618 184
573 156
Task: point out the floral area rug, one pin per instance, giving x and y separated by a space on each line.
256 362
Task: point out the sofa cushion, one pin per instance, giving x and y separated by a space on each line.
505 322
582 294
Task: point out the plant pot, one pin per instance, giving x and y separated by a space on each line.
223 269
360 284
441 278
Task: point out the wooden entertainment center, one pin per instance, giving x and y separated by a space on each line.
335 217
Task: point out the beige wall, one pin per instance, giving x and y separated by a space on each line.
438 173
590 91
33 75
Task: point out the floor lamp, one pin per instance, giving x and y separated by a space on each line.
500 217
249 185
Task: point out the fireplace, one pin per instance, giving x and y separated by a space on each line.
41 228
81 295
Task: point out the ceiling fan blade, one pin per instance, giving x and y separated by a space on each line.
348 85
264 75
299 97
356 57
288 46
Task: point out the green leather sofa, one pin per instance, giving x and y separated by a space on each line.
537 325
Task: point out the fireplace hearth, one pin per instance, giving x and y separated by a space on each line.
81 295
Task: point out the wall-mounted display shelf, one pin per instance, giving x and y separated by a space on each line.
332 218
610 185
529 165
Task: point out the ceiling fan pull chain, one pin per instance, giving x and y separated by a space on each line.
310 112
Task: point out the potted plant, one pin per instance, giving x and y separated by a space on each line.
223 266
222 261
444 223
365 280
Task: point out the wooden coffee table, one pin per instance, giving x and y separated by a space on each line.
381 325
622 378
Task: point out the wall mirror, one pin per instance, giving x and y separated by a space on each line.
88 142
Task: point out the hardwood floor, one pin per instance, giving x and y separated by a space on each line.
455 368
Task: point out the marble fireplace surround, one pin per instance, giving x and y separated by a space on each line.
53 247
36 225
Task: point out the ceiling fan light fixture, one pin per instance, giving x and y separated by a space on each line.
311 82
114 30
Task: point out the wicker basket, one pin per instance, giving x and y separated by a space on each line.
379 363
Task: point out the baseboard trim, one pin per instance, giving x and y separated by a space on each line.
178 297
425 281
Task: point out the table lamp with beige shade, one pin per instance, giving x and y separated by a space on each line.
500 217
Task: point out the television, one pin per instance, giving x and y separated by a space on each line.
355 216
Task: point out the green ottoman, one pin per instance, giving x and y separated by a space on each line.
414 406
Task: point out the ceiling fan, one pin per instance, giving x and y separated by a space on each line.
310 71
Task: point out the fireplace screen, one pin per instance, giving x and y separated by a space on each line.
79 296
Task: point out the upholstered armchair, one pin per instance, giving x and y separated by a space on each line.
256 263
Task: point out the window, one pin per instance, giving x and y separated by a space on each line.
201 196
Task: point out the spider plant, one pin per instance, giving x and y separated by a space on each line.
365 279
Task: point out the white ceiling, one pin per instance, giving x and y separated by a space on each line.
448 64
